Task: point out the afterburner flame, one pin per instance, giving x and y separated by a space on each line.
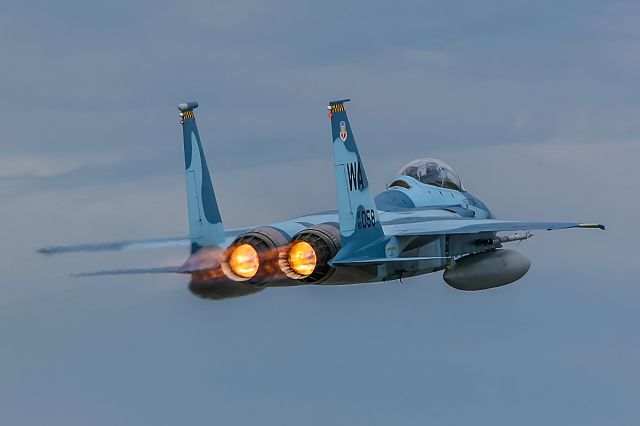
302 258
244 261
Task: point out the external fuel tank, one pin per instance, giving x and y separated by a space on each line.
486 270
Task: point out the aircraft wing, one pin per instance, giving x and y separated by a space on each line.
136 271
130 244
117 245
474 226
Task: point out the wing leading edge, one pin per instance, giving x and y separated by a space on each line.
474 226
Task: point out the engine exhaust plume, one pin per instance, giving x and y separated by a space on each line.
302 259
244 261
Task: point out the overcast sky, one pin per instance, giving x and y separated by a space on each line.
535 104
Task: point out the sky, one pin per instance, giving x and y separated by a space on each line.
534 104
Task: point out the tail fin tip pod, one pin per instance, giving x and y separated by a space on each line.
205 221
187 106
358 216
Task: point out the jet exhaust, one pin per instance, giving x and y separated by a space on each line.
253 256
306 258
302 258
244 261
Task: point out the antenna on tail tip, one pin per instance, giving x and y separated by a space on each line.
187 106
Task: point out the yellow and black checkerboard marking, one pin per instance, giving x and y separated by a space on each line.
187 115
337 108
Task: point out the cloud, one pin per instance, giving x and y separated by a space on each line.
15 167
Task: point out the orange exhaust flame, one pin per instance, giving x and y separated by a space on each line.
244 261
302 258
239 263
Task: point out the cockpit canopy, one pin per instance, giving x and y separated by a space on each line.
433 172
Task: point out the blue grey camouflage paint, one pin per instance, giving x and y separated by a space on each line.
358 217
205 221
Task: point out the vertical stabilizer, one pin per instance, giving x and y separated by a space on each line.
358 216
205 222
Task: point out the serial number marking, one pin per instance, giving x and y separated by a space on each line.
366 219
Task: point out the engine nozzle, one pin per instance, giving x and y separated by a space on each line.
253 256
306 258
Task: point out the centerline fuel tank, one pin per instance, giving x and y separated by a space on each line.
486 270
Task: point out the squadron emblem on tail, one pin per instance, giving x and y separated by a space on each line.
343 131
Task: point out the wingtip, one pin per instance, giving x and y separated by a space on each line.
593 226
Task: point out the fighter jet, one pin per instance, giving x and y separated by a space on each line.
424 222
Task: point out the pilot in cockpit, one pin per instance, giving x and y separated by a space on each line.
433 172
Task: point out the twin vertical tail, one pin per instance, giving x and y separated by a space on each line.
205 222
358 216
